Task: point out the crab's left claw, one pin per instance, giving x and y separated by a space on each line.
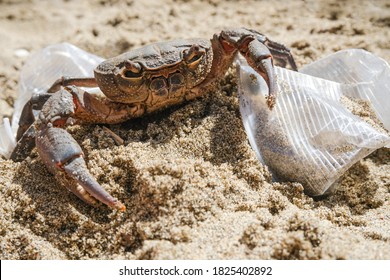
63 156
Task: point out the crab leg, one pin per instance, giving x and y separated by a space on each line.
26 131
25 144
281 53
68 81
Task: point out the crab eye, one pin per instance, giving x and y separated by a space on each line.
133 70
193 55
194 58
131 74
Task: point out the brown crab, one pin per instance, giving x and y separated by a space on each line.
135 83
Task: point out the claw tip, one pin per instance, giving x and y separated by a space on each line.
120 206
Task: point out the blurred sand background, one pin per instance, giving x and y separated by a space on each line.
191 183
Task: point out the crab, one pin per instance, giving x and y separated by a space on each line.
135 83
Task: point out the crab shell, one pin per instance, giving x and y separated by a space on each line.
156 75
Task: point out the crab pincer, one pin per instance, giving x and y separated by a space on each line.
260 58
63 156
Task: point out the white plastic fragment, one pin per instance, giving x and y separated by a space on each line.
7 138
310 136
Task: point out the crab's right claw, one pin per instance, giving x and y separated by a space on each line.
260 59
63 156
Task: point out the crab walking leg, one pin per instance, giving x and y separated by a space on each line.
26 130
62 154
281 53
72 102
27 116
72 81
25 144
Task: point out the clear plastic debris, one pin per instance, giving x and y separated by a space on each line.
40 71
7 138
312 136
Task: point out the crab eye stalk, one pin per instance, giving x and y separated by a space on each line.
132 70
193 55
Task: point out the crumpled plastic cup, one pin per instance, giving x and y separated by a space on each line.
311 136
39 72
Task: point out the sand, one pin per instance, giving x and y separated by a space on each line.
188 176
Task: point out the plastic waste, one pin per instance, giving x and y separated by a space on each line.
7 138
40 71
311 136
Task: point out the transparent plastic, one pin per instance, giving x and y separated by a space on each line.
311 136
7 138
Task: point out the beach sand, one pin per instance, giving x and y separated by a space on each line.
191 183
